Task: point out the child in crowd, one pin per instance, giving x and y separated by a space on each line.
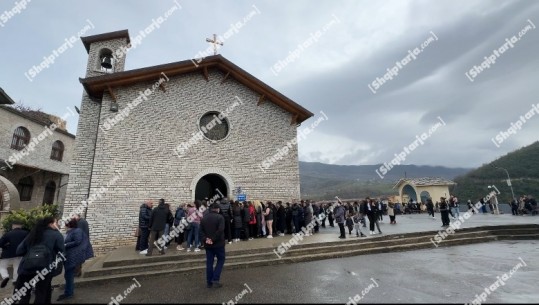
357 224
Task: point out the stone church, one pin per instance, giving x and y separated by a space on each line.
179 131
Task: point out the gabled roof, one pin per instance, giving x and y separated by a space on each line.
425 181
4 98
95 86
41 120
88 40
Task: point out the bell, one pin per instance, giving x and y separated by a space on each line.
106 62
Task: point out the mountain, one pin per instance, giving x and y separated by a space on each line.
522 166
325 181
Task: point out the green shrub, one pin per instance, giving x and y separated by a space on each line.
29 217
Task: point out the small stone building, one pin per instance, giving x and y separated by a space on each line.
34 157
420 189
179 131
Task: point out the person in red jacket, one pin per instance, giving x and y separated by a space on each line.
253 226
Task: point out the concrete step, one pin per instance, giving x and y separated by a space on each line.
194 260
150 271
187 259
517 237
365 242
156 258
111 267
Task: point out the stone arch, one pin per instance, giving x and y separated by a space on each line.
215 171
424 196
105 52
10 195
410 191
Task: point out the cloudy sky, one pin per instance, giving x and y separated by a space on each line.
357 42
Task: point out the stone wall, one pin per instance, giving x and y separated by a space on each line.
40 156
83 154
135 159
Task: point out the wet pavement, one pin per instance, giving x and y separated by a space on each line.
446 274
405 224
441 275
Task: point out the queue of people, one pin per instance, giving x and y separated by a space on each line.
37 250
247 220
211 225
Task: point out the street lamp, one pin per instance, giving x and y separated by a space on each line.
508 180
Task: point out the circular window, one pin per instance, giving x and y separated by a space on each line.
213 127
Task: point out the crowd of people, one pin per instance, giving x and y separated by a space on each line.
519 207
210 225
247 220
524 205
242 221
428 206
44 251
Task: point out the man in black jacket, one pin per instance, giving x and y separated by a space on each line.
430 207
212 227
9 243
363 210
330 215
533 203
444 210
295 217
514 207
316 212
372 214
288 218
226 210
340 212
158 219
143 223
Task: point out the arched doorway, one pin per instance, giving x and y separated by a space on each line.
10 195
408 192
424 196
50 189
207 187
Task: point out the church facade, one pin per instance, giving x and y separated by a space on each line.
180 131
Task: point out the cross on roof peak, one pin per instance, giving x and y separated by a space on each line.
215 42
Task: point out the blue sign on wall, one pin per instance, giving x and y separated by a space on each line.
241 197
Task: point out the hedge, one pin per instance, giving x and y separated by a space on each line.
29 217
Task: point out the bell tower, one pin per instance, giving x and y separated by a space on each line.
106 55
106 52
